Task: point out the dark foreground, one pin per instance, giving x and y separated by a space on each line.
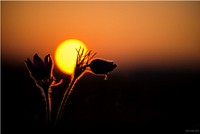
139 101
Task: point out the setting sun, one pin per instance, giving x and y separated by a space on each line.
66 54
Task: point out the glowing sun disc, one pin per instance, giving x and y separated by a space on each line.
66 54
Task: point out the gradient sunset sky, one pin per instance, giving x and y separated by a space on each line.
130 33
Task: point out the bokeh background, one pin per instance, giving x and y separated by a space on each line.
156 46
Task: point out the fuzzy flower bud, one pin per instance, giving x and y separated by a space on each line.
41 71
102 66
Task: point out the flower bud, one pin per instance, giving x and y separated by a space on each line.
41 71
101 66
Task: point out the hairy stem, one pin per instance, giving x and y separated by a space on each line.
65 98
49 106
47 99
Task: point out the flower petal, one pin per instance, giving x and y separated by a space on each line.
29 65
48 64
48 60
40 68
38 63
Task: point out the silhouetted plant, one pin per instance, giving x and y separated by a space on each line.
42 73
102 66
84 60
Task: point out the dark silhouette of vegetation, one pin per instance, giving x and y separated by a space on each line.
42 74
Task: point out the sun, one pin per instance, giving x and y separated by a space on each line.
66 54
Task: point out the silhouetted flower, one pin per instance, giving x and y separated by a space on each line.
82 61
41 71
101 66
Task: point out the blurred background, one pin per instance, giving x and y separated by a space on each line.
155 87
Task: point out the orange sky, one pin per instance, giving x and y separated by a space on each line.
126 32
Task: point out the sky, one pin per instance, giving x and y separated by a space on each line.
130 33
134 35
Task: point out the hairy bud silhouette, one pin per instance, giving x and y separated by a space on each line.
41 71
101 66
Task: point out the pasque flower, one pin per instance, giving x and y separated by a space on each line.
82 61
41 71
85 60
102 66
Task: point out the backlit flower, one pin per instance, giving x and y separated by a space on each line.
101 66
82 62
41 71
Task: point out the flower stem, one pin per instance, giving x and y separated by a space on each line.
48 105
65 98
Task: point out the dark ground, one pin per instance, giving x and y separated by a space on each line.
147 100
